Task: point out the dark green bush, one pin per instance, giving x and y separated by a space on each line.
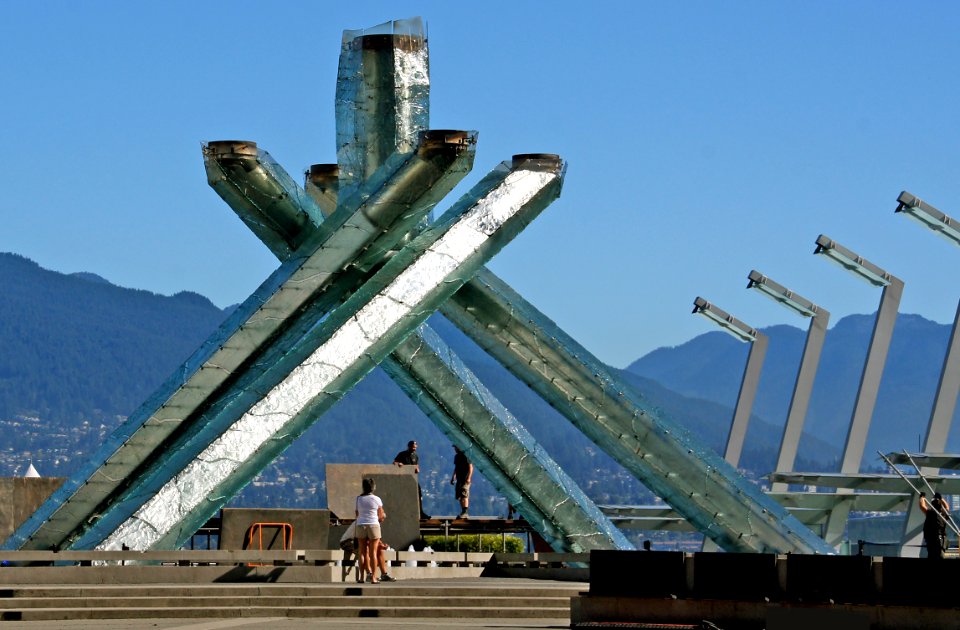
475 542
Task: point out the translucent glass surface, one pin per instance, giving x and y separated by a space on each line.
687 474
400 193
334 356
383 97
530 479
499 446
264 196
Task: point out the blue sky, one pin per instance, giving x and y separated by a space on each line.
703 139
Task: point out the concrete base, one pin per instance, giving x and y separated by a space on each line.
344 483
397 487
399 494
20 497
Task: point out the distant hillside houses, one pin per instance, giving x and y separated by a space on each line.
80 354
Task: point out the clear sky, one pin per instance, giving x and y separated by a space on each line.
704 139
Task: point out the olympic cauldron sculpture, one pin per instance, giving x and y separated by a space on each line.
362 267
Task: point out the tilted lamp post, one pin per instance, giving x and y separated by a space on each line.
800 401
872 369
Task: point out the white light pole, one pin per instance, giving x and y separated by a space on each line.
751 373
819 318
945 402
872 369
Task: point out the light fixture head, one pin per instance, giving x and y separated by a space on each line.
925 214
781 294
727 322
863 269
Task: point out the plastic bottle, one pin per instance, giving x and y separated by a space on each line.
410 563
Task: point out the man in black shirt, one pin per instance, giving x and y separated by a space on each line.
460 480
409 457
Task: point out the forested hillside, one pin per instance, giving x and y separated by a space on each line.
77 346
80 354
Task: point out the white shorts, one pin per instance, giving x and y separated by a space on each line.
371 532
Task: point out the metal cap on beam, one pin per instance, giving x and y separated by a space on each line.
226 149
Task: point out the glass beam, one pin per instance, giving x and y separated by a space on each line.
401 194
276 403
688 475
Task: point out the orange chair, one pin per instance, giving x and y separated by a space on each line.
286 529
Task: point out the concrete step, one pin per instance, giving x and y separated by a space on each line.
405 588
439 599
384 600
53 614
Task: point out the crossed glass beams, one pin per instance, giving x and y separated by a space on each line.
339 350
449 394
728 508
284 217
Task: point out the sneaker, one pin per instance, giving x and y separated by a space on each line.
386 577
370 580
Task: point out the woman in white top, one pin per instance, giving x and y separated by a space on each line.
370 514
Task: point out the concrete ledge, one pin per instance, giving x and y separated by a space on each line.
172 557
310 565
119 575
443 558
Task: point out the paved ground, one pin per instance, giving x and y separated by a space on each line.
282 623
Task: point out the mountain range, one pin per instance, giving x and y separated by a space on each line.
710 366
80 354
